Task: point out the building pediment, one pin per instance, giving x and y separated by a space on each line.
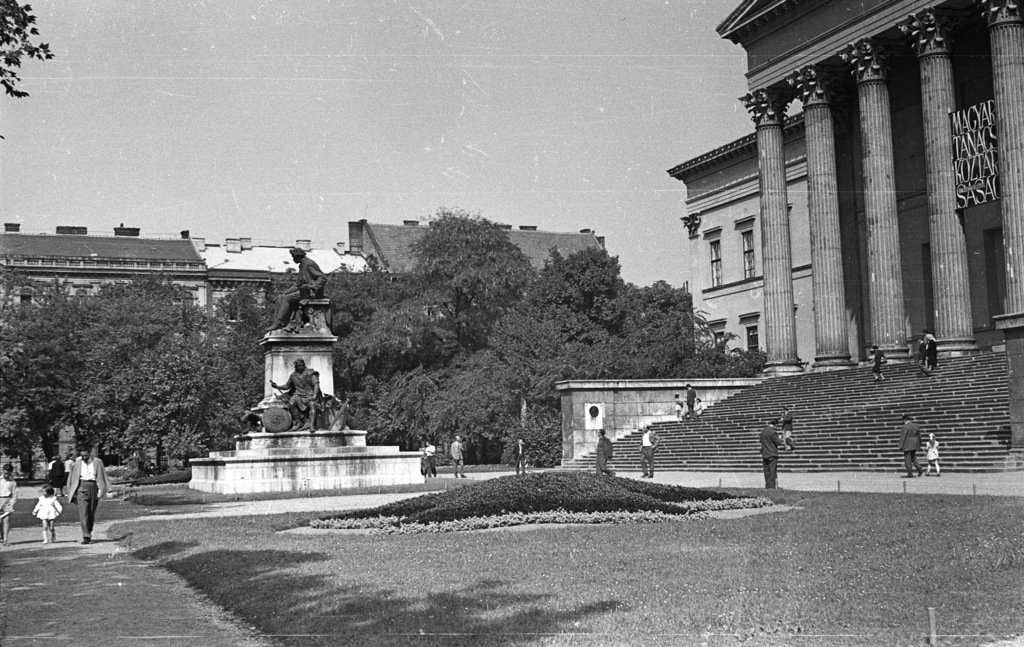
750 15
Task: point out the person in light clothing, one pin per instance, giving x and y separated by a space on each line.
932 455
87 484
457 459
648 445
47 510
8 497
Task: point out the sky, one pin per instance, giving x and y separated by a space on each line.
285 120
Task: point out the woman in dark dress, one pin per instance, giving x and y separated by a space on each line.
58 477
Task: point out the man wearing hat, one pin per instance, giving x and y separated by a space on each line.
310 283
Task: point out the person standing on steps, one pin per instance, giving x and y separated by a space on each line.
929 352
648 445
680 408
691 401
603 455
910 443
770 443
932 455
787 428
87 484
878 358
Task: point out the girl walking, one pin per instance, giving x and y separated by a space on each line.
47 510
932 455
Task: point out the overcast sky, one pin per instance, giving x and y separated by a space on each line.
286 119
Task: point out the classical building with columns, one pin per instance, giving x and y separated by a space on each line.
882 191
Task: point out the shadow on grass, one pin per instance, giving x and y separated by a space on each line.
283 595
163 549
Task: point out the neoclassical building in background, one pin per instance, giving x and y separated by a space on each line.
891 202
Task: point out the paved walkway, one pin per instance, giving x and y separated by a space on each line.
130 602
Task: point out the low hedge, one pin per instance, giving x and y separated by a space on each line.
542 492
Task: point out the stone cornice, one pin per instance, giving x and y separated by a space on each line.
928 32
743 147
868 60
768 21
998 12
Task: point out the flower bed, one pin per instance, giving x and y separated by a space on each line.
551 497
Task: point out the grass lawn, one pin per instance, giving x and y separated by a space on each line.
843 569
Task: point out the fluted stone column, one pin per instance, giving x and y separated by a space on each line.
832 345
768 110
885 283
1006 32
954 327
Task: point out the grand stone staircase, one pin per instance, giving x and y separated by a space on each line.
846 422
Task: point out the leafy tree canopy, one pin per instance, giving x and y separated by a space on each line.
17 32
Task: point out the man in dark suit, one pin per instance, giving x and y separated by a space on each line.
770 443
87 484
910 443
520 454
604 454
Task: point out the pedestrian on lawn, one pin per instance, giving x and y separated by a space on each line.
680 408
47 510
56 475
770 443
429 459
910 443
929 352
520 455
604 455
69 462
456 449
649 444
932 455
878 358
87 484
8 497
787 428
691 401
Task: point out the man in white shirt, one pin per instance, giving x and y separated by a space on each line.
648 445
87 484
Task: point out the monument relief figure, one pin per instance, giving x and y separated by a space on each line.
302 390
310 284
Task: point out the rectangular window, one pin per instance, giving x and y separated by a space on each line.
752 341
748 254
716 263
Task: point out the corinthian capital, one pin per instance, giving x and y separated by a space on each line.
767 107
815 85
999 12
868 60
928 32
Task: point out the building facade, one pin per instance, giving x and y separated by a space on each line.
905 186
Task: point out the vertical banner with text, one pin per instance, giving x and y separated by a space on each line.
975 154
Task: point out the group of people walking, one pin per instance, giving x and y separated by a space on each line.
85 480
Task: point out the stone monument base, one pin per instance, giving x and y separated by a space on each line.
295 461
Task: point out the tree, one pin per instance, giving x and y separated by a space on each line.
472 272
17 29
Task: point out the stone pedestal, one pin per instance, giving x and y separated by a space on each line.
295 461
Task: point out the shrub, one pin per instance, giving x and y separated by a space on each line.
174 476
544 492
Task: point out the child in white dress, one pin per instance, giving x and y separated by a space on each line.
932 455
47 510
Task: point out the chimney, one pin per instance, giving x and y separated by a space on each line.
527 227
73 231
355 237
12 227
411 223
234 245
304 244
504 226
184 234
600 241
200 244
126 231
339 248
246 243
585 231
